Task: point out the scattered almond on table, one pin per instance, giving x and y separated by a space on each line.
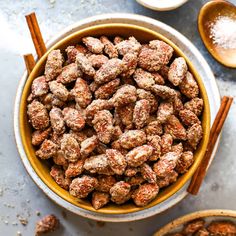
46 225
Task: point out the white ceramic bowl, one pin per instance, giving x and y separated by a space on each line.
207 215
162 5
188 49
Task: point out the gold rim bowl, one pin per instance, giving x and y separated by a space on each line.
42 169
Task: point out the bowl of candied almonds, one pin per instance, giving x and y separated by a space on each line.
114 118
202 223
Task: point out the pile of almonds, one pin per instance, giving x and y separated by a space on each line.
119 119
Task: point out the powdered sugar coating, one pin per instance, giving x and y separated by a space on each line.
145 194
99 199
139 155
97 105
38 136
162 47
38 115
98 164
120 192
135 180
165 110
48 224
39 86
73 118
109 47
59 176
69 74
75 169
84 64
88 145
60 160
117 132
131 171
128 46
188 118
170 178
70 148
158 78
144 79
194 135
177 71
125 95
71 52
166 164
125 114
163 91
117 39
109 71
97 60
132 138
141 113
59 90
143 94
47 149
166 143
51 100
189 86
178 148
82 186
107 90
155 142
130 61
94 45
195 105
148 174
105 182
103 124
82 93
154 56
154 128
53 65
184 162
174 127
116 161
57 121
178 105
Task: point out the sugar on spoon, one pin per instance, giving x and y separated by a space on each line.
217 27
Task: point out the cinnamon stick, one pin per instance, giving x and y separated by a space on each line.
213 129
29 62
200 174
36 34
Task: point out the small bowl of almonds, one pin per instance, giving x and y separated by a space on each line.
114 118
202 223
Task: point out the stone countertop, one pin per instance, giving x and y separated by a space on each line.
20 198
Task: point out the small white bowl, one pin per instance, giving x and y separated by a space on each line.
162 5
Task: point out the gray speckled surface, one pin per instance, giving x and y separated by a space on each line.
19 196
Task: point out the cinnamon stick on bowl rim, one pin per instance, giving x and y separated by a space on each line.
200 173
36 34
29 62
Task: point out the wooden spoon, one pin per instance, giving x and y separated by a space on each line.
208 15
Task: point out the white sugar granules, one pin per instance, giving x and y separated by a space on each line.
223 32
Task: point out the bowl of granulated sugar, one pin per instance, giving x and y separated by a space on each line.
217 27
